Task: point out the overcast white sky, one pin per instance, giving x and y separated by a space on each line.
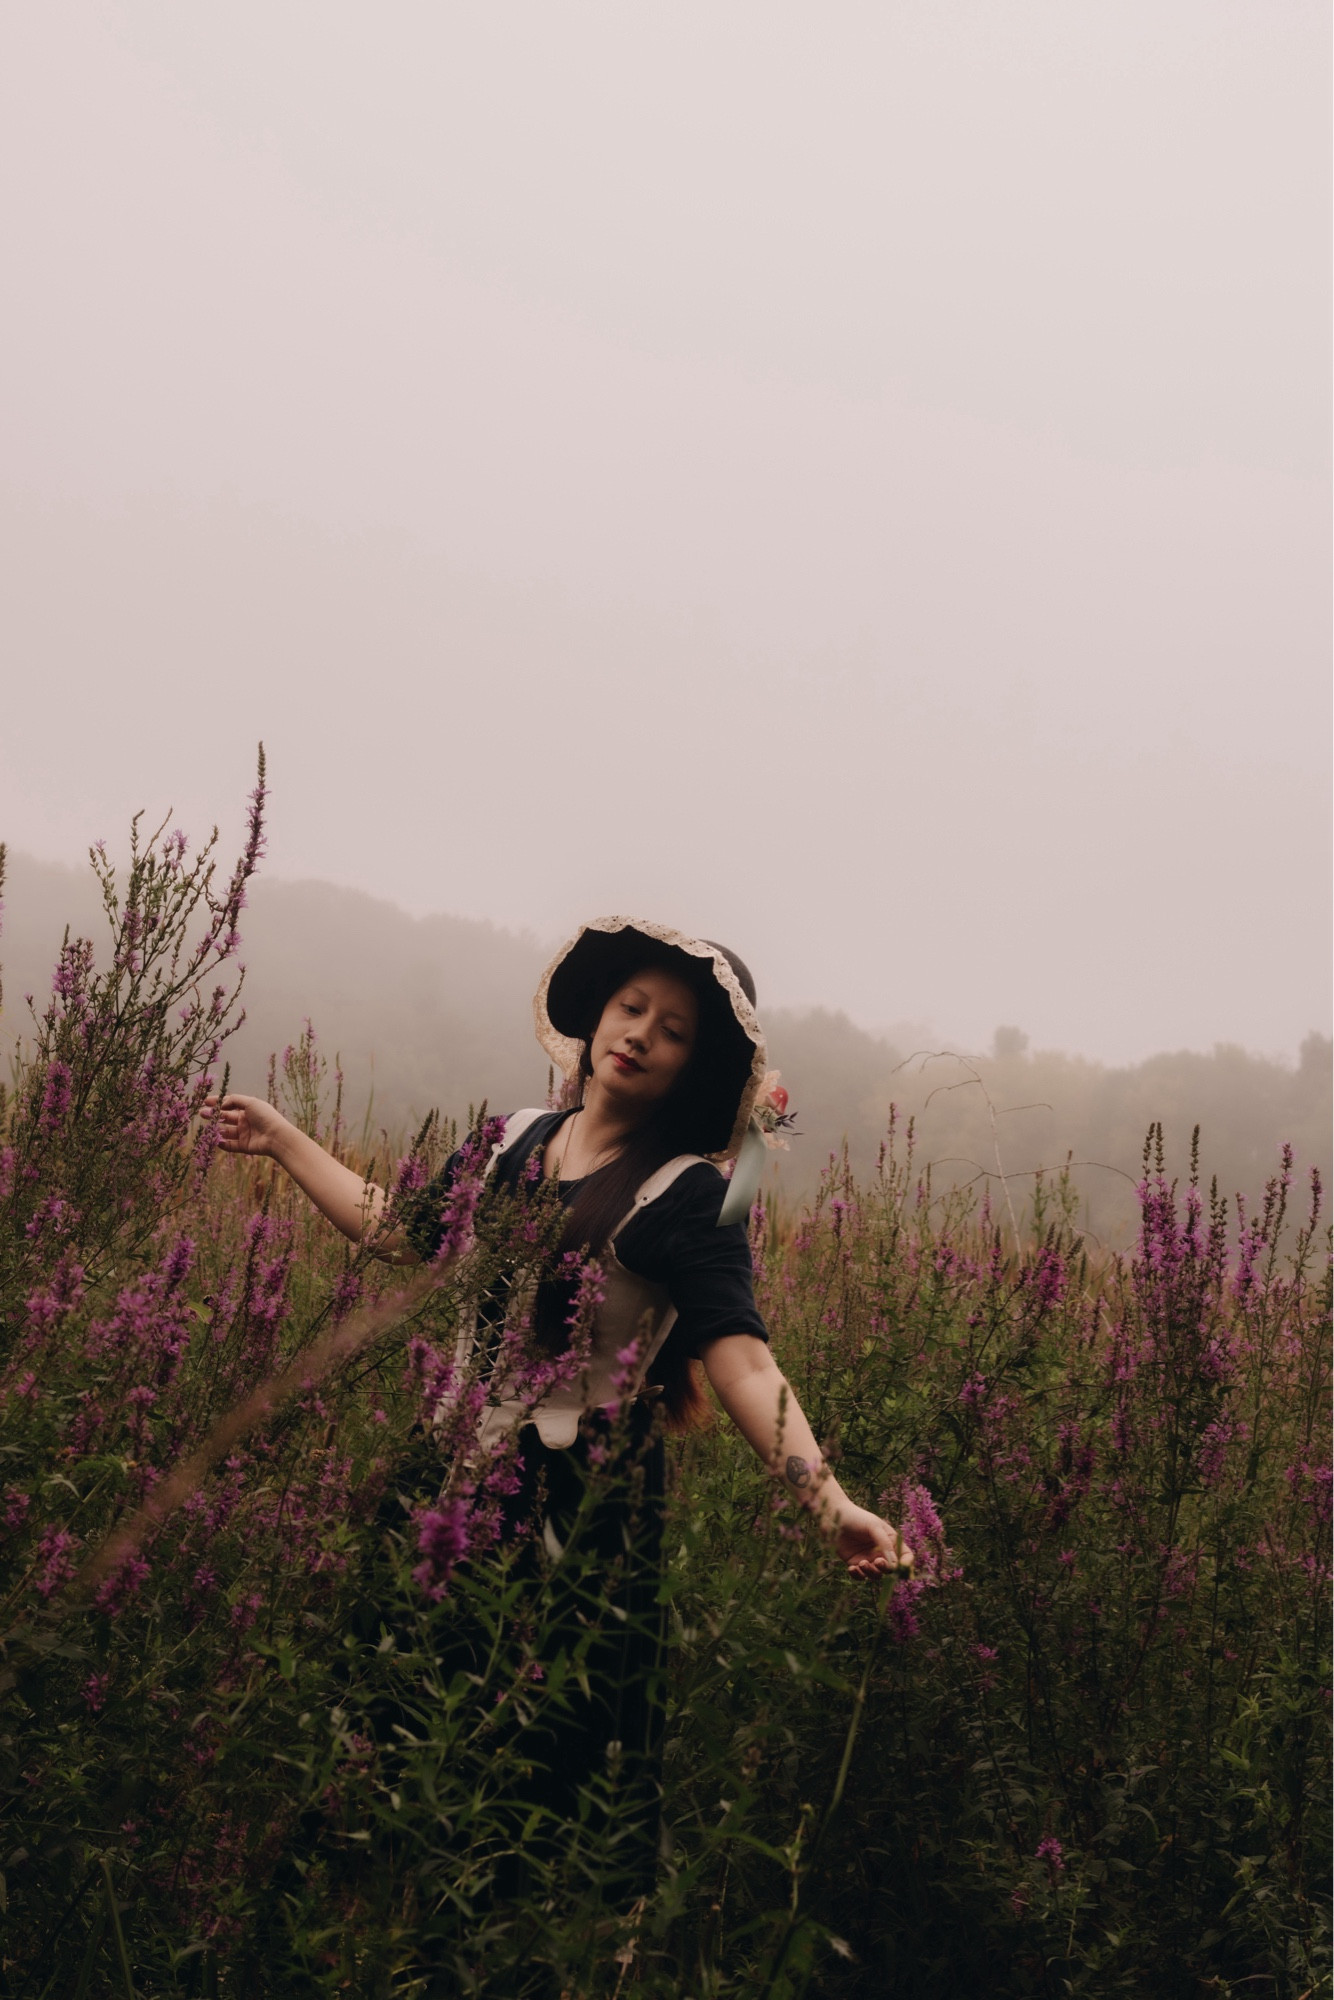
849 479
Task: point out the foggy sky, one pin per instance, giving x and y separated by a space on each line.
849 480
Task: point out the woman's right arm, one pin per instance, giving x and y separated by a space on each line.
252 1125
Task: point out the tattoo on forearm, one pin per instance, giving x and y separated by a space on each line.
798 1472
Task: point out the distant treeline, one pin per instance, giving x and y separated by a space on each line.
1049 1107
436 1012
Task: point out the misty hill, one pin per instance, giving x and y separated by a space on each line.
423 1011
436 1011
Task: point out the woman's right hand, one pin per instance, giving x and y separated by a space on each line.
252 1125
245 1124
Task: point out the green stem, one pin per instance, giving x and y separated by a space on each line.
835 1798
90 1954
123 1955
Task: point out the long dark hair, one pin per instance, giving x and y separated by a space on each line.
687 1121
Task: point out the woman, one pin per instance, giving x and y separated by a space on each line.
657 1036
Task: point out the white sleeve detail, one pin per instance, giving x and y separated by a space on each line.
516 1125
659 1183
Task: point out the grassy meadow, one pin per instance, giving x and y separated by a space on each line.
268 1694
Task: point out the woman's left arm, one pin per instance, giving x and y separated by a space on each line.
757 1397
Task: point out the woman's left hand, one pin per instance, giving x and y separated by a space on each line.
761 1404
868 1545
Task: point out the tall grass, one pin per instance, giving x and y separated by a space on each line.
274 1689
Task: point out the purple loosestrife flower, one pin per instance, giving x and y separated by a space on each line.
986 1657
223 936
245 1611
460 1208
94 1692
216 1509
504 1476
925 1533
84 1425
1251 1239
1050 1851
26 1388
443 1540
124 1582
50 1302
57 1562
1003 1450
587 1295
1211 1455
432 1374
1048 1277
16 1506
1218 1361
264 1301
149 1322
347 1294
409 1177
131 934
53 1214
1178 1274
624 1375
457 1232
530 1377
177 1265
73 970
1181 1572
901 1617
457 1414
202 1153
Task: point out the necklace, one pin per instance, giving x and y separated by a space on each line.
562 1163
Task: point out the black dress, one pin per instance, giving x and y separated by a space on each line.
611 1605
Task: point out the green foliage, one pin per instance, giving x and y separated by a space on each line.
268 1743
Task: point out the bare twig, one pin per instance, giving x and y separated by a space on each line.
974 1076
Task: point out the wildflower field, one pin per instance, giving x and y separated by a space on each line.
270 1678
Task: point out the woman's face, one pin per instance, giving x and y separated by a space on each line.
644 1040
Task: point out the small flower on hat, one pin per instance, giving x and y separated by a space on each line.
771 1113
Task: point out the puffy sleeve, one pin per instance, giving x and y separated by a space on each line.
706 1271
